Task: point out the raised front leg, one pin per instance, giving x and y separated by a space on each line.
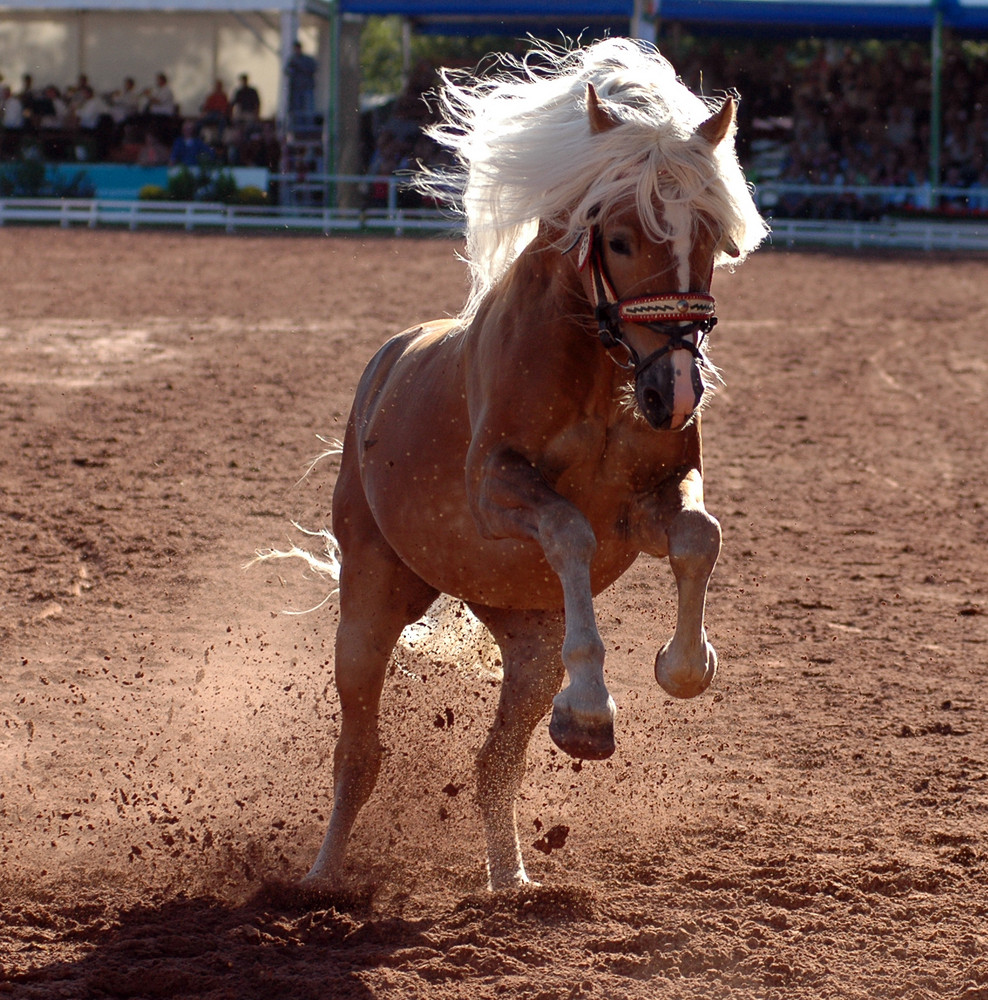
511 499
676 524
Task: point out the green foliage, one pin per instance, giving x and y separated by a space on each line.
153 192
224 188
380 55
381 52
205 184
32 178
24 179
182 185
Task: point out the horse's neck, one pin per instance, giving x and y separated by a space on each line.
542 310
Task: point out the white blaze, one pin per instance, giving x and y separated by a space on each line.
679 219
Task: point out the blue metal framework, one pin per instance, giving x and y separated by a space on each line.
838 17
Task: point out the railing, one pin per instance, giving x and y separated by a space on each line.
888 224
970 234
69 212
891 233
922 197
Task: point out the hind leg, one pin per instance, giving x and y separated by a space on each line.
379 596
533 671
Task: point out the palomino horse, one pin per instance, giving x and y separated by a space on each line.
521 456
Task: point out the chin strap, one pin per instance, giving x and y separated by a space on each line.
684 317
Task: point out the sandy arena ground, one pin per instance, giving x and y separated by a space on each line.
812 827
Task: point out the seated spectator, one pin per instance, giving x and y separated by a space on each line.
75 96
189 150
91 115
216 108
231 140
89 108
125 103
246 103
50 109
160 99
81 83
153 152
260 148
11 111
26 96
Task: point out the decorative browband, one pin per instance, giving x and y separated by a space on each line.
671 308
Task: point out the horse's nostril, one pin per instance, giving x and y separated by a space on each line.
653 409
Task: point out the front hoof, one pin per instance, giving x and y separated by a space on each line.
585 742
685 680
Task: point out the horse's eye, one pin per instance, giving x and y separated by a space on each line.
620 246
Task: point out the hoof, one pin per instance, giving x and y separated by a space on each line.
585 742
510 882
689 679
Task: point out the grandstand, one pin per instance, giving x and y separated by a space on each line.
805 172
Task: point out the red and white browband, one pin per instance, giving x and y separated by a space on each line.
685 318
673 308
670 307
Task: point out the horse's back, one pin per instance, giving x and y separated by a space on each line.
407 439
407 350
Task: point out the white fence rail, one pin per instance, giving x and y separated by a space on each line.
930 235
69 212
887 233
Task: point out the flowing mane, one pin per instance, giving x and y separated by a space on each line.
525 152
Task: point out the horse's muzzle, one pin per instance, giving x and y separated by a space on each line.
669 390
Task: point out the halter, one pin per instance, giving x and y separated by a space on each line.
657 312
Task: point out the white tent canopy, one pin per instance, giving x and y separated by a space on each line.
193 42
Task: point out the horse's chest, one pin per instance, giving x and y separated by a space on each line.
605 473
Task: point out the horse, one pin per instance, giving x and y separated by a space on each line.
521 455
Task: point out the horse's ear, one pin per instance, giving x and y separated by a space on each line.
600 119
716 127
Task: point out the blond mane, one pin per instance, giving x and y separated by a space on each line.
525 152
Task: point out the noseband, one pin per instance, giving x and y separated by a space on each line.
684 317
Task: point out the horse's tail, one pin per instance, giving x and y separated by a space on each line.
447 633
325 562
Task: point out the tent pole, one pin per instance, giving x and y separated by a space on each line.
644 20
80 54
936 82
406 50
216 48
333 116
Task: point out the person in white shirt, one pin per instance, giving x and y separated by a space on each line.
11 110
160 99
91 108
125 103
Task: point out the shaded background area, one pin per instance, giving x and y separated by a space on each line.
813 826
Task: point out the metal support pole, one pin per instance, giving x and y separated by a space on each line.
936 88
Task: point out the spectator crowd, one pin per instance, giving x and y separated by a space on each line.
135 125
812 112
856 116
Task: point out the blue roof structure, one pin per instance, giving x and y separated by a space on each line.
838 17
461 17
841 17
